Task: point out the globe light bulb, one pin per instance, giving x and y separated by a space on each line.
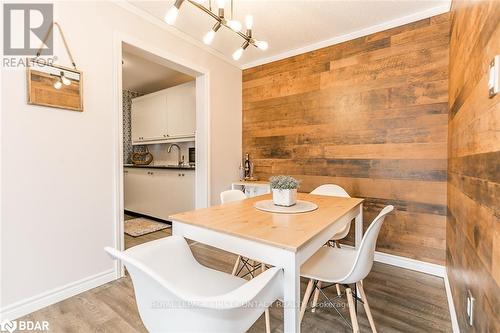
171 15
234 25
209 37
58 85
261 44
249 22
65 80
221 3
237 54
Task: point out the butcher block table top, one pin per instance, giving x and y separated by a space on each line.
287 231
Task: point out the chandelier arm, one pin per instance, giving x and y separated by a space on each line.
221 21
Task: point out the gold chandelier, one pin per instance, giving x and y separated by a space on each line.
220 21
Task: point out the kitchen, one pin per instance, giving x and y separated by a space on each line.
159 137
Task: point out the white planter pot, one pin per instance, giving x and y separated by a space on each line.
285 198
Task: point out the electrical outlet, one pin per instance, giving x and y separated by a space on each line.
470 308
493 74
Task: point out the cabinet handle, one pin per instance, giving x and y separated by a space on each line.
182 175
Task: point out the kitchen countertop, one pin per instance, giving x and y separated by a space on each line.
174 167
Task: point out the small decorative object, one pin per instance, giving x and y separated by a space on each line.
248 168
55 86
284 190
142 158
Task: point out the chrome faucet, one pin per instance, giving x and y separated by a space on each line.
179 160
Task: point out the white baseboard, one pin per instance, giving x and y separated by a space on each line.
412 264
451 305
37 302
408 263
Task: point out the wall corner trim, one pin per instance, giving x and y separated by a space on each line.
31 304
453 313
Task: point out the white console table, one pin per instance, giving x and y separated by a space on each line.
252 188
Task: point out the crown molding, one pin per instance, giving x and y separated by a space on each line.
124 4
353 35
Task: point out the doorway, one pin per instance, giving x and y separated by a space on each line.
190 152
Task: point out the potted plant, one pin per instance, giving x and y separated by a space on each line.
284 190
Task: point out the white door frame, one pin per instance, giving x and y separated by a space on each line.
203 155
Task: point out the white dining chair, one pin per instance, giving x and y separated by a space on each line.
334 191
345 266
175 293
232 196
250 265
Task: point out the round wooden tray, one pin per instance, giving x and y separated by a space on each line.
300 207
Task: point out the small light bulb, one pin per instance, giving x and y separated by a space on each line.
65 80
234 25
237 54
58 84
171 15
209 37
249 22
261 44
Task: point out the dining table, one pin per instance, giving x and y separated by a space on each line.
284 240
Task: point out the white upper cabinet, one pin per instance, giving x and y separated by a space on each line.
165 115
149 117
181 102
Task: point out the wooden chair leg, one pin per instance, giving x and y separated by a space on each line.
236 265
316 296
307 295
366 306
268 320
352 311
338 289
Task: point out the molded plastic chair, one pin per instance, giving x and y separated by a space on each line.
334 191
232 196
345 266
175 293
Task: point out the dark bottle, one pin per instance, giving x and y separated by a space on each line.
246 165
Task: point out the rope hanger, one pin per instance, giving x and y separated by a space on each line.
39 52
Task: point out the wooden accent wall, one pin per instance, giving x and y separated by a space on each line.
473 229
371 115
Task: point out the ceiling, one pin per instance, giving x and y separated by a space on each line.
293 27
141 73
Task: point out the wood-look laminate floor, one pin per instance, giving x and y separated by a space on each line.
401 301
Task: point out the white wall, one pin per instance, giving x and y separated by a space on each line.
58 189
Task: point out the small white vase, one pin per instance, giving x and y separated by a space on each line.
284 198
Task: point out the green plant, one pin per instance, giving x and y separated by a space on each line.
284 182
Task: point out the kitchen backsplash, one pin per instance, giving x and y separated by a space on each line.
161 156
159 151
127 96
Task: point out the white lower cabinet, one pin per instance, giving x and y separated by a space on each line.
159 192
